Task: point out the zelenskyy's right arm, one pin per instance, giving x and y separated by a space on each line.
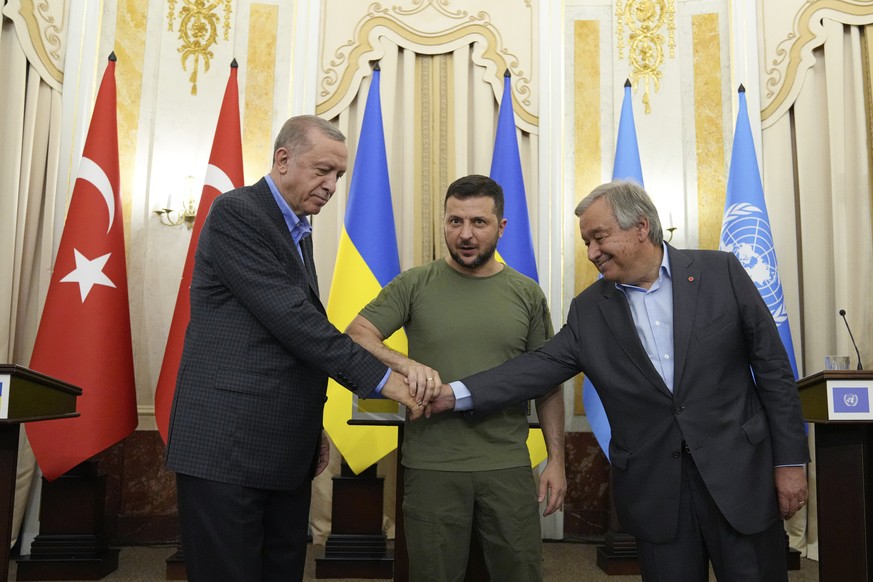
423 380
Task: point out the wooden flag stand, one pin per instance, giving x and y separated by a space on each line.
72 543
25 396
356 546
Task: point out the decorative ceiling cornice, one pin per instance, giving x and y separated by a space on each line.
794 55
342 74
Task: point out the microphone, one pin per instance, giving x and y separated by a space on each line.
843 315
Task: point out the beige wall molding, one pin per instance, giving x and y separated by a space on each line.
784 73
41 29
345 66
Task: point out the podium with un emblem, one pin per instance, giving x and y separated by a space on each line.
840 405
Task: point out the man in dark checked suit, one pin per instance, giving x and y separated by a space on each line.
245 437
708 443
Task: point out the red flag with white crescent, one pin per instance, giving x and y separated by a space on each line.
84 334
225 172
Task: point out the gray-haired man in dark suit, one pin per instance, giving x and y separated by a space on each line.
245 435
708 443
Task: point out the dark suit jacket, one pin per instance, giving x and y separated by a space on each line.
258 351
737 425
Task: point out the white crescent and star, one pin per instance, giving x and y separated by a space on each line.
218 179
91 172
89 272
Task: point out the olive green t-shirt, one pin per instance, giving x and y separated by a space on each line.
460 325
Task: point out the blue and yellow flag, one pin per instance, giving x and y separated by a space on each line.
367 260
627 166
515 247
746 232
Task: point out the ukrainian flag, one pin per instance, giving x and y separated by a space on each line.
367 260
515 247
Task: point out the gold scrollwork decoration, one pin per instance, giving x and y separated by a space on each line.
645 21
619 29
198 31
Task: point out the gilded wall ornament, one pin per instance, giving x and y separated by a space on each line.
645 21
198 31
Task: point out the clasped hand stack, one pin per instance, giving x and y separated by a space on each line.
420 389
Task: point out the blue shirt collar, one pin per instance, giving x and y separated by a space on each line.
298 225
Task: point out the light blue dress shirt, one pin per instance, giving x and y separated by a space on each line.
652 311
298 226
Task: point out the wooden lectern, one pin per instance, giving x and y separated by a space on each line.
25 396
840 404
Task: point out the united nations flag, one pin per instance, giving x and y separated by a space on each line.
745 231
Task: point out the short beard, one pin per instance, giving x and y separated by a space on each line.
478 261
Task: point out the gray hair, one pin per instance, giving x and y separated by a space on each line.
629 202
294 135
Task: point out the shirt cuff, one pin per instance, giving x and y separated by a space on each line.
378 389
463 398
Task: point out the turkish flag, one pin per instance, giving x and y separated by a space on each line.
225 172
84 334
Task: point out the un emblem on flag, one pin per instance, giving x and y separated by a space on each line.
746 234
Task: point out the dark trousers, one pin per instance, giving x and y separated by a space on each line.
704 535
241 534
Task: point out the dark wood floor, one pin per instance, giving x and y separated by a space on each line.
562 562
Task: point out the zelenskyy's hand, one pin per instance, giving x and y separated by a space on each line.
791 489
553 485
423 382
396 389
443 400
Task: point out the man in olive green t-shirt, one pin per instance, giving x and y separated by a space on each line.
461 315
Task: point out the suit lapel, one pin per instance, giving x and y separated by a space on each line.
266 198
618 318
686 284
309 262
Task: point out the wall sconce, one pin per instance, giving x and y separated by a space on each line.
186 216
670 229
